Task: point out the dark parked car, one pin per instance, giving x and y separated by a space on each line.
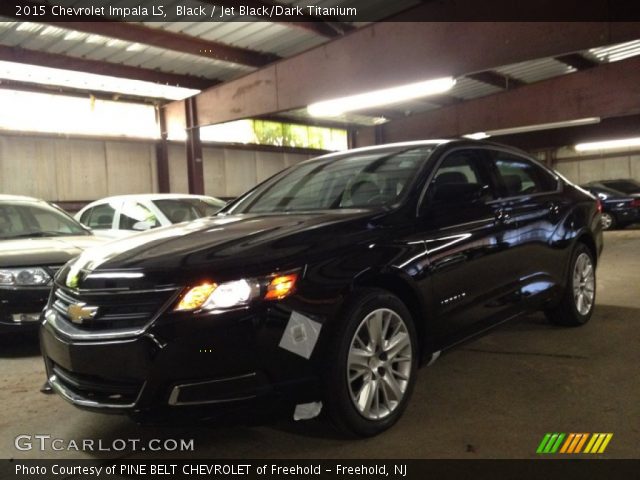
330 282
624 185
619 209
36 239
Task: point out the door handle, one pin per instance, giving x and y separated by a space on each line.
502 216
554 208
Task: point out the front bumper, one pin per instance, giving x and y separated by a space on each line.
20 308
184 366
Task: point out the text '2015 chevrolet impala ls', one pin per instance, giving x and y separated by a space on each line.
330 282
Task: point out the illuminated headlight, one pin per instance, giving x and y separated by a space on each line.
24 276
211 296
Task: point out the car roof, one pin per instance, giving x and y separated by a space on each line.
21 198
154 196
452 142
149 196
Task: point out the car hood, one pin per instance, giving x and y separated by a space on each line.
25 252
233 242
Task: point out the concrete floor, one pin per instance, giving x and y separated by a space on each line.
493 398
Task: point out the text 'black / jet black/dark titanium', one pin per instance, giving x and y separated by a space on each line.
330 282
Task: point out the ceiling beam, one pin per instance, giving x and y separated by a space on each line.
77 92
577 61
496 79
609 90
56 60
384 54
178 42
323 26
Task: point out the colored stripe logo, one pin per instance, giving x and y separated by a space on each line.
574 443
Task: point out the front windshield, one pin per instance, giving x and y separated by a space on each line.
30 219
360 180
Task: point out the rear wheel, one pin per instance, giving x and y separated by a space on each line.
578 301
608 221
373 365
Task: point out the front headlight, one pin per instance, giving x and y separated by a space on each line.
211 296
28 276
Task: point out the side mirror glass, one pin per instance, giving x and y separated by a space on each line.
142 226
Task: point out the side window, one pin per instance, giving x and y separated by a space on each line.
133 213
459 180
520 176
101 217
84 218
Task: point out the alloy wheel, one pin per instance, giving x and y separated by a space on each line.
584 283
606 220
379 364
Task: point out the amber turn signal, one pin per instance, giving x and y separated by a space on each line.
281 286
196 297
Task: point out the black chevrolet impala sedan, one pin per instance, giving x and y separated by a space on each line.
324 288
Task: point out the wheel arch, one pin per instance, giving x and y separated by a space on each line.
406 291
587 239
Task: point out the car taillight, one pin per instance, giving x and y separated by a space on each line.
635 202
599 205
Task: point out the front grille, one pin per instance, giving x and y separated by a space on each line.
115 310
98 389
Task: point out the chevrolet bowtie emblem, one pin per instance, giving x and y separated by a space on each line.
79 312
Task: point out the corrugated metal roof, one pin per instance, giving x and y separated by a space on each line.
267 37
40 37
467 88
614 53
536 70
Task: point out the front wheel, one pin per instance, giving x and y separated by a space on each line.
578 300
373 364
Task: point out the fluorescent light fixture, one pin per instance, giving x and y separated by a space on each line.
377 98
533 128
90 81
608 144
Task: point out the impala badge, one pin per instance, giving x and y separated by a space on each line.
79 312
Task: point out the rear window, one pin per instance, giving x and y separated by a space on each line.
625 186
186 209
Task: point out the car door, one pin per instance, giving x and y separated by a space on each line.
461 236
529 207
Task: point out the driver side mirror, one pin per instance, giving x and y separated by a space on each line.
142 226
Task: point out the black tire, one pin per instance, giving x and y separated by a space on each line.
339 404
567 312
608 221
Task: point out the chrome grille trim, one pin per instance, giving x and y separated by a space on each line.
57 316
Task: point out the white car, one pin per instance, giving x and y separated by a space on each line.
123 215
